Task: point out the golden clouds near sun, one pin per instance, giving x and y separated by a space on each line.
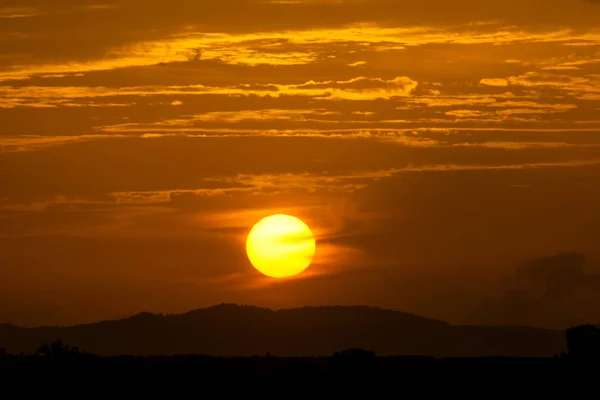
281 246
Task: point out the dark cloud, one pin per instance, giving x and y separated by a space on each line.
559 290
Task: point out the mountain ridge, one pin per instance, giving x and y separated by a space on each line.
243 330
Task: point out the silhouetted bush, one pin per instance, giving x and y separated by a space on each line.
583 341
57 349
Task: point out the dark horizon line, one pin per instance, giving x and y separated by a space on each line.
275 310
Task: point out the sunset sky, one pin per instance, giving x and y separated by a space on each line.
444 152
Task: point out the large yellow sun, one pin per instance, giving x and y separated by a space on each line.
281 246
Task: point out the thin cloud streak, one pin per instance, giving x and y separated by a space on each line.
407 138
350 182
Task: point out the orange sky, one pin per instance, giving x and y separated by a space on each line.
443 151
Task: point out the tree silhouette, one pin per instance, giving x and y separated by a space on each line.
57 349
583 341
354 355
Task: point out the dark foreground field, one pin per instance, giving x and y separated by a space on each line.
344 370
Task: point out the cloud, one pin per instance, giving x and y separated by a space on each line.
251 185
558 107
507 112
166 196
19 12
460 100
357 64
412 139
31 142
264 184
468 113
359 88
494 82
525 145
262 40
269 184
557 290
255 115
575 85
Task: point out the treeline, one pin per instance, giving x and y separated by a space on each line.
583 342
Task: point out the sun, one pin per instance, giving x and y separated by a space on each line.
281 246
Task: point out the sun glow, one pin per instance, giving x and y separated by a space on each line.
281 246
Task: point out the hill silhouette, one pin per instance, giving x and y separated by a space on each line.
229 330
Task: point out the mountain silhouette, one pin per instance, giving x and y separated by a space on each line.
230 330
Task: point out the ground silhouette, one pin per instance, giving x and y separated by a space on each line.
344 371
229 330
58 367
583 342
